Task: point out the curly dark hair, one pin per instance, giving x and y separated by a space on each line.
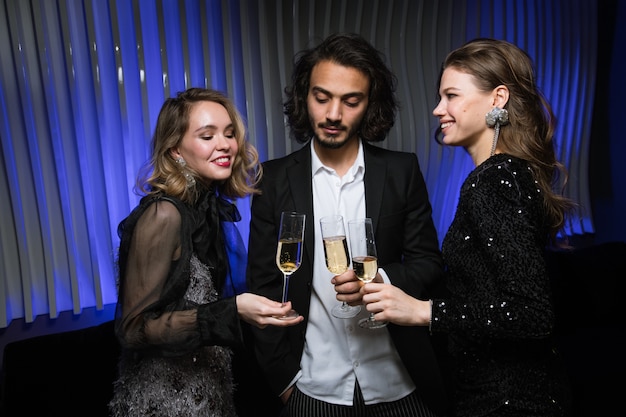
349 50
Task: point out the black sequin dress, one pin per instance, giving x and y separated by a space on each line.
174 328
499 317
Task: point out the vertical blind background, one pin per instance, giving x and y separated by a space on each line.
82 82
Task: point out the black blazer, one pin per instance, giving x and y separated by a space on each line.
408 250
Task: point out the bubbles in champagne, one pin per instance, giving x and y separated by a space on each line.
336 254
289 255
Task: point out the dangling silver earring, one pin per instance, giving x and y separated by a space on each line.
191 181
495 118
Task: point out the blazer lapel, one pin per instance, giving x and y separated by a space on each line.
300 185
374 180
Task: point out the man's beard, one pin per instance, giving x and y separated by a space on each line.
328 143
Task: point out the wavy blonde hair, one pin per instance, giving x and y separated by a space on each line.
163 175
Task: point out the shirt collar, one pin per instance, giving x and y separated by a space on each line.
317 165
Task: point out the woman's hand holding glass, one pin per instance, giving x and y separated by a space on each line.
393 305
364 260
261 311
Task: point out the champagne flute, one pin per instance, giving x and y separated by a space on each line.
364 259
289 250
337 258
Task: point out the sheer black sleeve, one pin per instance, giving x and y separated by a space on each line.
154 250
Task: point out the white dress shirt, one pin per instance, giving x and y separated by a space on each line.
338 351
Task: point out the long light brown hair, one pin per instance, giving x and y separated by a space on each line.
529 134
162 175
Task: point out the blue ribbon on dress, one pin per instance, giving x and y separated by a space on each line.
237 260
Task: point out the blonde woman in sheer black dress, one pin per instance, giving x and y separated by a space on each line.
174 326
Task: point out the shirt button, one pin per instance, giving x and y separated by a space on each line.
356 364
350 328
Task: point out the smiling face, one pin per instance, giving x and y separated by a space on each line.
461 112
337 101
209 145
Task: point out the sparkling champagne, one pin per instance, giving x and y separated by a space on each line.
365 267
288 256
336 253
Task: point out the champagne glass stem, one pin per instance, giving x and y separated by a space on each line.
285 287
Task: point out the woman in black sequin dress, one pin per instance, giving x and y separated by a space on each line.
175 328
498 316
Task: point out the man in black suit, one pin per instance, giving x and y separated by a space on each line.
342 99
